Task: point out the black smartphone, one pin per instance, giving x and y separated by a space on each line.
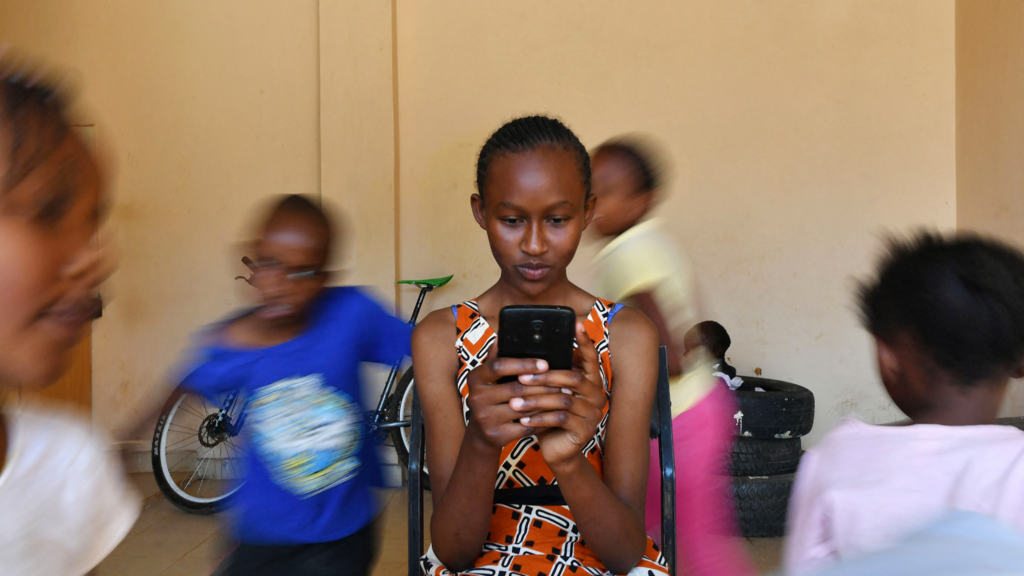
543 332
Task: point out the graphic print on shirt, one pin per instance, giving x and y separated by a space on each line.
307 433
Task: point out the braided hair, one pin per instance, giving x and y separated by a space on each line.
33 121
528 133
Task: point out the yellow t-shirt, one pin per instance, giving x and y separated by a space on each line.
644 259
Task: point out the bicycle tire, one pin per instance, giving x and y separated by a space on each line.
400 410
165 467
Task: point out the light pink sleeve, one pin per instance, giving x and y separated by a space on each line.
809 544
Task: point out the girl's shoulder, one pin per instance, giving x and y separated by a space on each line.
437 324
630 323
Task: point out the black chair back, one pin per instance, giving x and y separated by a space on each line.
666 452
416 455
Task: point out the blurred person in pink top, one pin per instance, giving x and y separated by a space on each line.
947 315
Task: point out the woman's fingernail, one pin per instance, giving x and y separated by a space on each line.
524 420
527 378
516 403
542 365
566 391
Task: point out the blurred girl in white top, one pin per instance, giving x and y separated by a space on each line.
64 503
947 315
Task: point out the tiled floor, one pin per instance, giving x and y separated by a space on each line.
168 542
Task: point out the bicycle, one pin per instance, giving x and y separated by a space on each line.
196 451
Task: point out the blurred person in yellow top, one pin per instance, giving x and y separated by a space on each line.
642 266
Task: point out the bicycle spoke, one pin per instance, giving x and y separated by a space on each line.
191 411
202 479
179 442
234 461
189 450
196 403
171 468
185 487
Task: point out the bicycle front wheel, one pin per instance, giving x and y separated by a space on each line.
196 457
401 411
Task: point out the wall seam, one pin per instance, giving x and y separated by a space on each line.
319 111
956 120
397 162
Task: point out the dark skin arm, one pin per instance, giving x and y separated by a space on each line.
463 460
609 512
644 301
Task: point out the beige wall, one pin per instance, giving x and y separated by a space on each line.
990 126
800 130
206 107
357 136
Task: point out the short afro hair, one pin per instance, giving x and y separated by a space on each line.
309 211
960 297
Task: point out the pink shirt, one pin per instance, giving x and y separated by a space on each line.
865 488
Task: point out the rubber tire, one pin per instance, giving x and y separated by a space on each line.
761 504
161 482
396 433
1016 422
783 410
754 457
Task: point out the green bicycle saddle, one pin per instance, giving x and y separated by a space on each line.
432 282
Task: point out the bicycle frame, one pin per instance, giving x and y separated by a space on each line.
225 408
379 419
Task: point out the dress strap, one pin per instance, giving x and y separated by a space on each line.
615 310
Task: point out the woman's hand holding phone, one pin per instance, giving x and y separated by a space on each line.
490 413
563 407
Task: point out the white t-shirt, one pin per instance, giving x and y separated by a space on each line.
64 501
865 488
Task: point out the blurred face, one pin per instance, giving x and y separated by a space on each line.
49 265
535 213
620 202
289 274
691 340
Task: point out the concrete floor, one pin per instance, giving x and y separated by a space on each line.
168 542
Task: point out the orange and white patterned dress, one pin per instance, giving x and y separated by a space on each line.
533 534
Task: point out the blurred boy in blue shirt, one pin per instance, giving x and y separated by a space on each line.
305 507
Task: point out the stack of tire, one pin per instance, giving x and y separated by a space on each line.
771 417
